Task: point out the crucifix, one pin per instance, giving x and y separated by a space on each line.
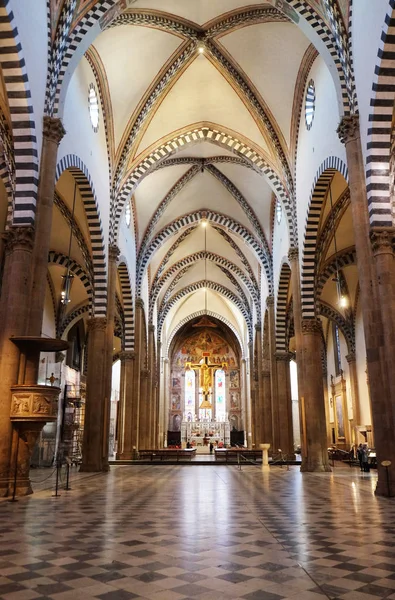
205 370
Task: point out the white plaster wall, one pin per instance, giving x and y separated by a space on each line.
33 35
360 347
368 21
319 143
48 325
280 249
344 367
80 138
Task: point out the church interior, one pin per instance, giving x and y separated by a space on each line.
197 268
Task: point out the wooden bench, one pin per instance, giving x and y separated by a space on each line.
168 453
232 454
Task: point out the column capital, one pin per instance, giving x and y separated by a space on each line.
145 373
113 252
269 301
283 356
139 303
97 324
382 240
53 129
21 238
127 355
350 357
293 253
151 328
266 374
348 129
258 327
311 326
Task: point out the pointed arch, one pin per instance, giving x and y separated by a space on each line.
263 254
22 119
322 181
201 313
216 287
281 312
345 258
127 298
203 132
78 169
57 258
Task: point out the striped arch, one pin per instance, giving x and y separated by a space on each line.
127 298
346 258
263 254
281 313
345 326
216 287
322 181
78 169
252 286
72 317
200 313
57 258
21 111
380 141
209 133
7 164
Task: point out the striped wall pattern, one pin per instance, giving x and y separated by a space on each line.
220 138
346 326
7 164
57 52
170 253
21 112
119 321
194 219
242 258
57 258
326 232
72 317
342 44
200 313
77 233
127 298
53 299
345 258
310 105
202 162
74 38
380 128
281 312
322 30
192 259
322 181
216 287
80 173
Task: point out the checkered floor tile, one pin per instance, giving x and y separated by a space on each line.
204 532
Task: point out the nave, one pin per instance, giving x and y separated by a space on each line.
171 533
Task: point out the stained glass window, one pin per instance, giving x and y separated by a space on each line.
190 395
220 404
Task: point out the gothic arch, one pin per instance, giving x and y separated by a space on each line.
346 327
201 313
346 258
380 133
127 297
57 258
214 134
322 181
21 111
216 287
281 312
78 169
194 218
71 318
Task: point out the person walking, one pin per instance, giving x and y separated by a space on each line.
360 455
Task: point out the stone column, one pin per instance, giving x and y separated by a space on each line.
251 404
144 441
371 299
53 132
138 365
245 400
113 254
356 411
121 407
165 400
151 413
14 308
267 407
258 376
95 406
315 456
126 452
327 413
293 256
286 437
273 375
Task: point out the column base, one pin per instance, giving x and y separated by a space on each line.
125 456
92 468
314 466
386 482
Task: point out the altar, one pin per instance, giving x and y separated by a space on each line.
204 432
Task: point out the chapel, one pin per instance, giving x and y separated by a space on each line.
197 231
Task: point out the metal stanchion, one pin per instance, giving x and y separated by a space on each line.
68 462
58 465
386 464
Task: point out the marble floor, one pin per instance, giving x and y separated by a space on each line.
203 532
